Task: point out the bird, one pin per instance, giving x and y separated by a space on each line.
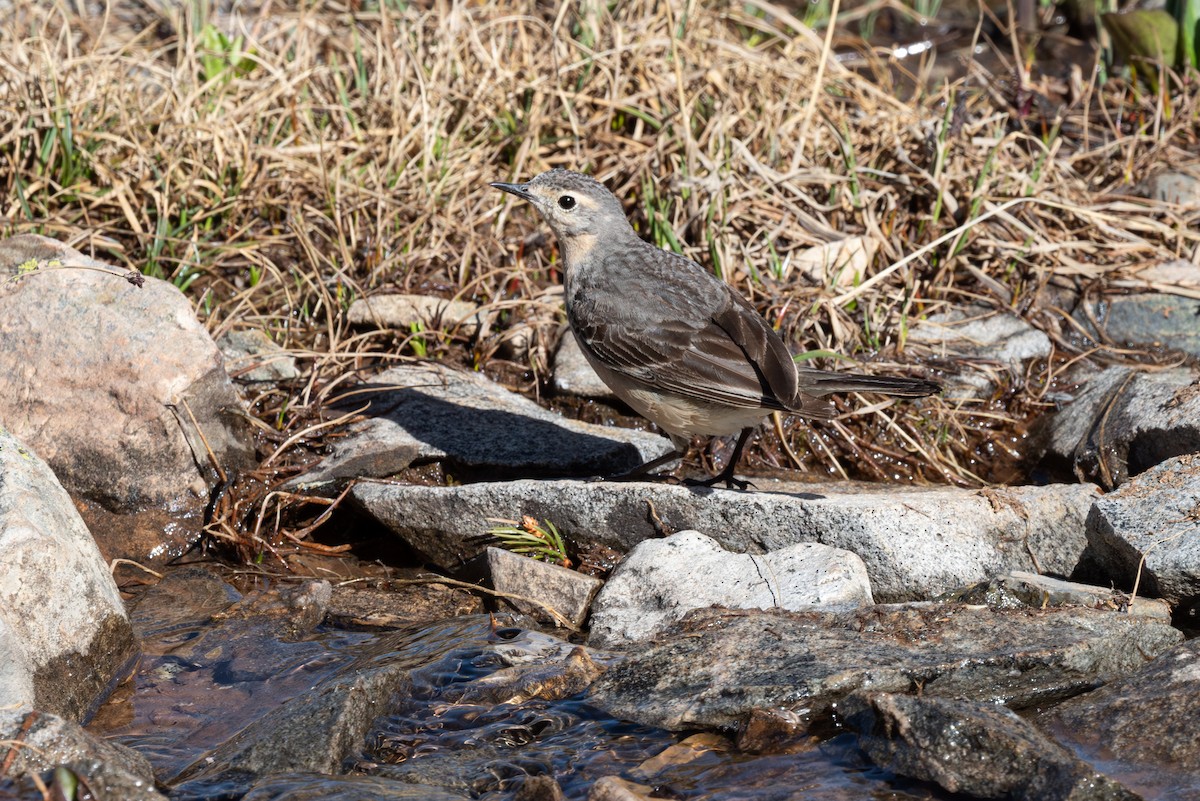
673 341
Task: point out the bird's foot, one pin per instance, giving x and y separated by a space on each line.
731 482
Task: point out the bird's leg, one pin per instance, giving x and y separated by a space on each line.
642 471
726 475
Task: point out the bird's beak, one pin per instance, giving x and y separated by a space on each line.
519 190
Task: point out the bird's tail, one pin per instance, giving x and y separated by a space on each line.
822 382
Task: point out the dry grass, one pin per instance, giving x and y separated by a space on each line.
279 162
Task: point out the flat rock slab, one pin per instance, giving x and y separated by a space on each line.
64 635
716 665
982 750
118 387
1123 423
661 580
1151 525
430 413
252 357
1151 318
549 593
402 312
1143 725
915 542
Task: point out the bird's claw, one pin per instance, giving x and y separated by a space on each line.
730 482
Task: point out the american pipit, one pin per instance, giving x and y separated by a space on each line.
672 340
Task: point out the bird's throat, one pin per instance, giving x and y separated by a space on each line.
577 248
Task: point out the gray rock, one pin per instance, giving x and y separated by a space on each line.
345 693
401 312
111 770
1171 186
661 580
321 787
1143 726
1149 319
542 587
715 666
980 347
100 375
252 357
1123 423
527 665
981 750
428 412
916 542
1152 524
312 732
572 375
1018 589
64 635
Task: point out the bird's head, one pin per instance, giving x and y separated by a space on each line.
572 204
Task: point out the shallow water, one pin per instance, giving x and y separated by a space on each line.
467 723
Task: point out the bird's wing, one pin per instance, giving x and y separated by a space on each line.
728 355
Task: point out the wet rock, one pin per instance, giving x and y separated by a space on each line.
1019 589
490 699
252 357
771 730
572 373
428 412
1123 423
715 666
64 635
337 700
983 348
363 608
402 312
1151 524
311 732
1142 726
529 665
614 788
1148 319
103 378
216 663
295 608
661 580
47 741
916 542
182 596
981 750
151 538
546 592
320 787
540 788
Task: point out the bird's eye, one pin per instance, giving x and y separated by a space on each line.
566 202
